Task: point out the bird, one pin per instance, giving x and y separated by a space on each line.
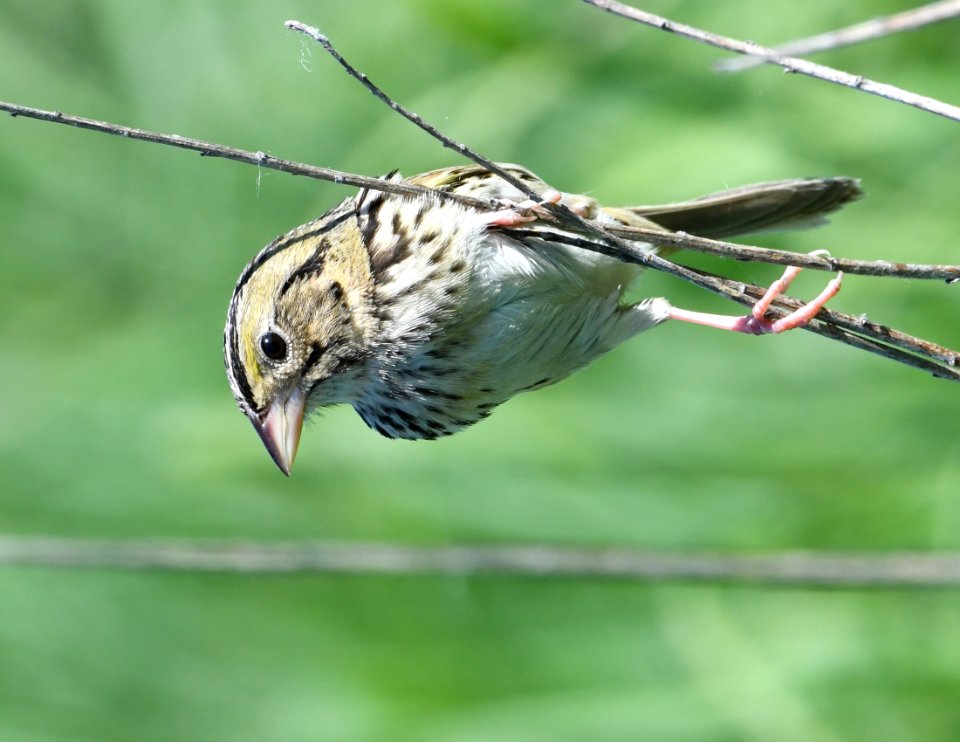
426 314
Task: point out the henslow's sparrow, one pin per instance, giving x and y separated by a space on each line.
425 314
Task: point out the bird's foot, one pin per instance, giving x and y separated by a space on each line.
519 213
756 322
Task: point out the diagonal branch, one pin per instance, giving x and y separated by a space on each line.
654 237
211 149
789 64
414 118
894 345
949 273
858 332
891 344
681 240
928 357
875 28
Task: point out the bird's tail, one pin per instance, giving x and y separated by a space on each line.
781 204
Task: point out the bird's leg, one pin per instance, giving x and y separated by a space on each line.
515 215
756 323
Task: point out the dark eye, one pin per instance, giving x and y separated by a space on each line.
273 346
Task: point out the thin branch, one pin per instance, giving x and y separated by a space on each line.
923 354
789 64
414 118
933 359
673 239
919 353
210 149
929 361
682 240
875 28
797 569
949 273
858 332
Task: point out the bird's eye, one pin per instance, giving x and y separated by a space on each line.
273 346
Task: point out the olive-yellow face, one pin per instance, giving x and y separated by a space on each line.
291 335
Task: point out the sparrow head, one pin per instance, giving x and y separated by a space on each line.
298 329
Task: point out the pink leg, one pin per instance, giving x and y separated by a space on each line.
755 323
513 216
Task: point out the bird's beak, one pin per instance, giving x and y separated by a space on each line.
280 427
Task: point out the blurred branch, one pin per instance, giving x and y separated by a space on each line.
800 569
789 64
875 28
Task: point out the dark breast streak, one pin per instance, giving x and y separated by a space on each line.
415 390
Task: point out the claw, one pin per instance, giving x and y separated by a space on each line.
514 216
756 322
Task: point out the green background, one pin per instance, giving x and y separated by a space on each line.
117 263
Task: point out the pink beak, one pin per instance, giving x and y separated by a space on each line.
280 428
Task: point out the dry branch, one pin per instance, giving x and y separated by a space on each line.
875 28
949 273
859 333
531 561
789 64
922 354
682 240
211 149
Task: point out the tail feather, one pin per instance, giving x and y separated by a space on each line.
782 204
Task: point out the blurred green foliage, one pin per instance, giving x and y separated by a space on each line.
117 263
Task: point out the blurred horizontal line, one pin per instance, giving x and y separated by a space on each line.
813 569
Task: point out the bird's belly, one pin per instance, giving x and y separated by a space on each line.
525 317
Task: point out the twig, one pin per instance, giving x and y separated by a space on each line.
789 64
930 358
858 332
210 149
798 569
673 239
683 240
938 360
949 273
875 28
414 118
737 291
920 353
